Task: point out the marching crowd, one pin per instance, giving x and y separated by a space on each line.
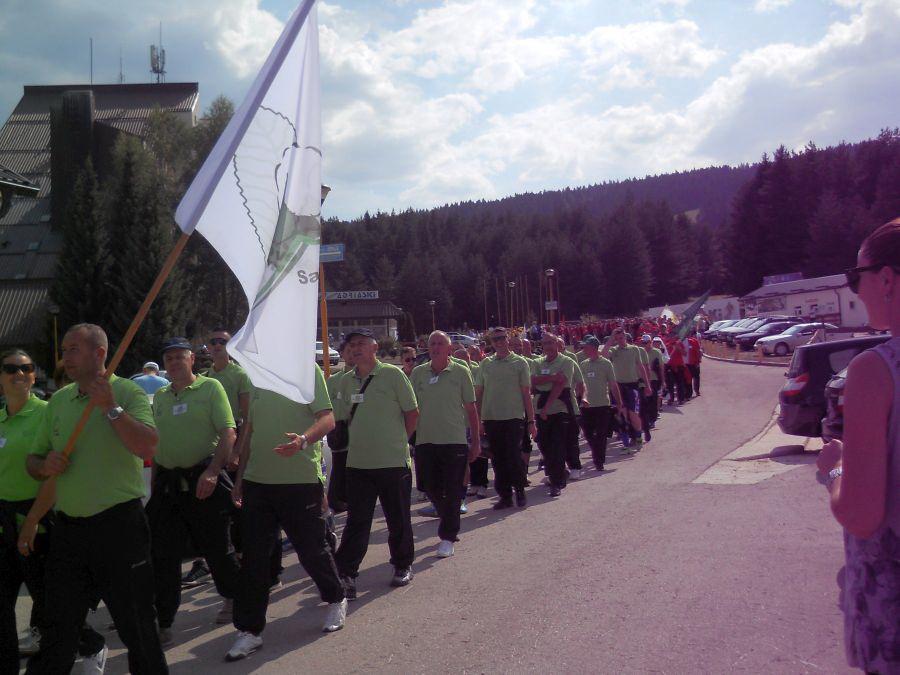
234 466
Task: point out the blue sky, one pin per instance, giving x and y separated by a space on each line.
426 103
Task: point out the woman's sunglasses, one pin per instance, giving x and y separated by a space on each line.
855 273
13 368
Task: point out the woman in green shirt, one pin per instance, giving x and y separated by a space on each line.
18 421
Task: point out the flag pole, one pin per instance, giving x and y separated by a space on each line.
46 496
323 308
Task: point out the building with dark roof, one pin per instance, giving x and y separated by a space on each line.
29 245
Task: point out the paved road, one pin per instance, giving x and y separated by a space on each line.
638 569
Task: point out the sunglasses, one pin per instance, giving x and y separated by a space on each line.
855 273
13 368
218 341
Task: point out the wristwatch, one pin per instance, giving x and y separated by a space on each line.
832 476
303 441
115 413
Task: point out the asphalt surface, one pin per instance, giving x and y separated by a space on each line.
638 569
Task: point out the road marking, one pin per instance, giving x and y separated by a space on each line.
770 453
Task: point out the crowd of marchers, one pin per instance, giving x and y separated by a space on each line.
235 468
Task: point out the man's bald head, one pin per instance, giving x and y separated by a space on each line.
93 335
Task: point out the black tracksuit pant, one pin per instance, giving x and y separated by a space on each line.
174 514
595 424
694 369
573 451
297 509
110 553
553 435
393 487
442 469
16 569
337 482
505 443
478 472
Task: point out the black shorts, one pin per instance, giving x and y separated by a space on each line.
631 396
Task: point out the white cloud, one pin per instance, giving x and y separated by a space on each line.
770 5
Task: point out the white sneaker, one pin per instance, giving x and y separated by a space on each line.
226 614
31 643
445 549
244 646
95 664
575 474
337 615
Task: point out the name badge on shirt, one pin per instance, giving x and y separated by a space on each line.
357 398
433 380
2 442
590 374
179 408
545 371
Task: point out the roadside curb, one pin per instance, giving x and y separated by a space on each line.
746 363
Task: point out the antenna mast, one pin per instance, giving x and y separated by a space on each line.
158 59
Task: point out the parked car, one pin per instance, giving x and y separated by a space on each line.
795 336
833 422
719 334
333 356
747 341
716 325
732 333
462 339
802 398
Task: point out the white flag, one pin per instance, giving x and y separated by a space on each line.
257 200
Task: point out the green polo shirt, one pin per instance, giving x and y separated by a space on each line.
653 354
378 437
190 421
333 385
626 362
102 472
16 434
274 415
561 364
441 399
502 381
598 373
236 382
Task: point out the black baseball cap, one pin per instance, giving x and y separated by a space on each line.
176 343
365 332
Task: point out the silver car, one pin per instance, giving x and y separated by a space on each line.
795 336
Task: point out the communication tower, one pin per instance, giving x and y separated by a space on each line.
158 59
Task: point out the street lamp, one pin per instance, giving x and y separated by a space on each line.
54 312
433 325
551 305
512 303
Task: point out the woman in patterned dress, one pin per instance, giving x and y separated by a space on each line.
864 469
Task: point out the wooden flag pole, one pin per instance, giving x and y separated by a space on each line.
323 308
46 497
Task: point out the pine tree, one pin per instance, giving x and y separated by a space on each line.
79 288
141 234
626 265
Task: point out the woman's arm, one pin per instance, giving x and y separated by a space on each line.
859 495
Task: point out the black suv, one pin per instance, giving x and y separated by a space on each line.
747 341
730 335
802 397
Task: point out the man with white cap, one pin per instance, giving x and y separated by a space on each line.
150 381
